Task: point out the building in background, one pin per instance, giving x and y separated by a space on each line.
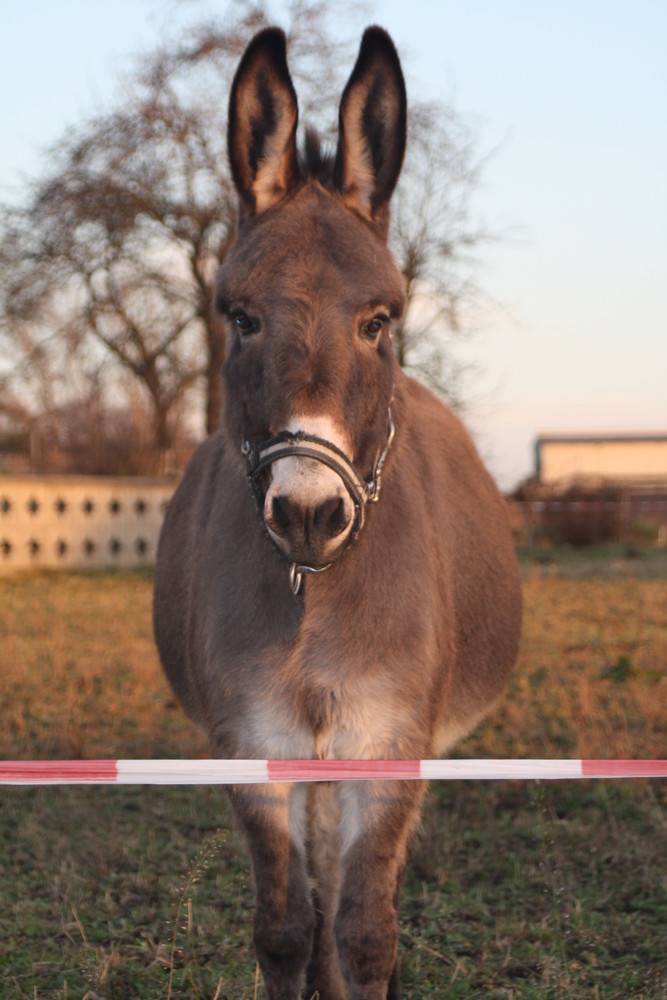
591 488
598 460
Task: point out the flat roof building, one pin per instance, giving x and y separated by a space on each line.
596 459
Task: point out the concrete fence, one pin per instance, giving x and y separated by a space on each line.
80 522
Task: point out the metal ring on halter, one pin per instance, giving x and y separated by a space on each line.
297 571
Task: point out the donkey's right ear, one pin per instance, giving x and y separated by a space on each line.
261 130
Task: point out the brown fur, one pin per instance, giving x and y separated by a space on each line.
405 641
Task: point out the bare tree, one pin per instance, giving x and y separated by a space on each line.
437 242
37 376
113 261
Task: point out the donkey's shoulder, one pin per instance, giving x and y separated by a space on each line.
443 445
211 475
210 462
429 417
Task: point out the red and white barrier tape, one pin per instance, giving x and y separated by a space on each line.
241 772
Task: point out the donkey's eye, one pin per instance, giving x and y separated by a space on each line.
374 327
243 323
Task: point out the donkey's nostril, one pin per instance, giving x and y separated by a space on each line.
332 517
280 514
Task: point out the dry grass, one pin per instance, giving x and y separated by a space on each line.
592 676
79 672
516 890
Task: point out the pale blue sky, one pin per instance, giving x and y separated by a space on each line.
573 94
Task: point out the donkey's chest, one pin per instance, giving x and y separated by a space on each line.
357 720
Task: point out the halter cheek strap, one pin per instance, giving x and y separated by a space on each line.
259 457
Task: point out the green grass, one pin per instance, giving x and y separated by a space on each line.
531 890
612 560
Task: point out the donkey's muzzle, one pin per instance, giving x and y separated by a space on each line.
312 533
310 496
312 502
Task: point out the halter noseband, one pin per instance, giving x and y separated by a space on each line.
259 457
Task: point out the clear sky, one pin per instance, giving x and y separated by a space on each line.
573 98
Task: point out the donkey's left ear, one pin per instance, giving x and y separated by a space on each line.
261 131
372 126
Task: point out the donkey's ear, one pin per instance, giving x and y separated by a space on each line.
372 124
261 131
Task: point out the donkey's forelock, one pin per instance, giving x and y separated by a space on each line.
314 162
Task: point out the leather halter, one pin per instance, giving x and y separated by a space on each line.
259 457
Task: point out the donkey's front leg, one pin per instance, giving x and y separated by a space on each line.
378 818
284 918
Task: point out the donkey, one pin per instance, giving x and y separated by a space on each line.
335 575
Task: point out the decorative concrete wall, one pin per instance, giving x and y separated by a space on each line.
80 522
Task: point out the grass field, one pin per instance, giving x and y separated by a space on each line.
531 890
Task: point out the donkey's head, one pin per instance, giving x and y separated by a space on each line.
310 292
